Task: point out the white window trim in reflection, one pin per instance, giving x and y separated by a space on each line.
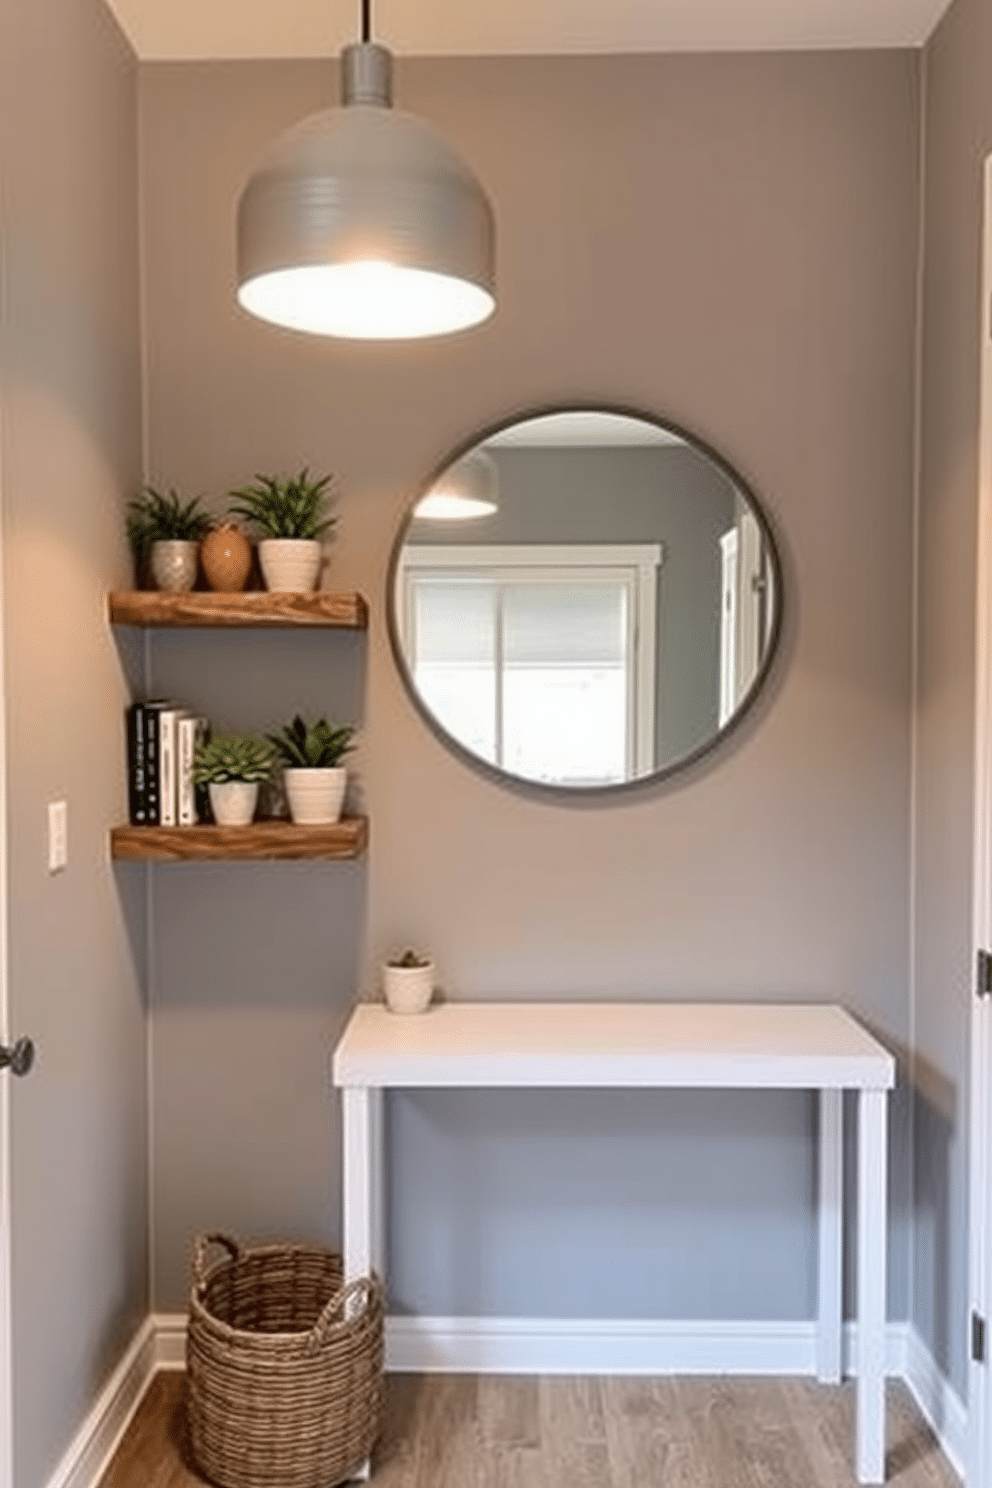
634 568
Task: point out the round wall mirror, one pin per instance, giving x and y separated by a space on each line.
584 598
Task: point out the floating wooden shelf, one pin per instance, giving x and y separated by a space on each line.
262 841
252 609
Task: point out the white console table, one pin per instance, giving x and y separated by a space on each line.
648 1045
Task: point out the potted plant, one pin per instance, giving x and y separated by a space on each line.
232 766
408 982
315 778
164 533
291 513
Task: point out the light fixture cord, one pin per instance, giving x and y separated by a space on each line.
366 20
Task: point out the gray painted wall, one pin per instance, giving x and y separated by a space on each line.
651 494
71 424
788 342
958 136
761 292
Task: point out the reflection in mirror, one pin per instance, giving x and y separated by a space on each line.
585 599
468 488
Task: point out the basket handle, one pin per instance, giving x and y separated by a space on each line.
201 1250
344 1305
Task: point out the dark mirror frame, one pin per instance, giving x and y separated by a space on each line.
572 793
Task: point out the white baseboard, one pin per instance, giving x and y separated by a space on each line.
939 1402
85 1461
170 1340
426 1345
438 1345
496 1345
543 1346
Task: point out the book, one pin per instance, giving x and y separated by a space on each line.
168 718
153 781
190 731
137 802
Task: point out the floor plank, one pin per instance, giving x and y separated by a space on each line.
497 1431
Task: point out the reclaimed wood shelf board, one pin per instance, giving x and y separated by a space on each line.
259 608
262 841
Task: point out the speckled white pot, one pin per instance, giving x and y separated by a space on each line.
233 802
315 797
173 565
290 564
408 989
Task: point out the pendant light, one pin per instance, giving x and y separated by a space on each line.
467 489
361 221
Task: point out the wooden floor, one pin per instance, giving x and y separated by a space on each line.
468 1431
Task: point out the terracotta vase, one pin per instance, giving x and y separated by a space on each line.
225 554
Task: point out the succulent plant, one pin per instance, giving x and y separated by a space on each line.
233 757
409 959
290 507
319 746
154 517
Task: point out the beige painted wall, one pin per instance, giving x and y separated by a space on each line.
732 242
71 421
958 136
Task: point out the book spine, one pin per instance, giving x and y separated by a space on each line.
185 805
136 785
152 765
189 733
167 774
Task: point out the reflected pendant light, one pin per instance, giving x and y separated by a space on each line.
361 221
467 489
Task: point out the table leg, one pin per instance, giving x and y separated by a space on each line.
363 1200
872 1201
364 1241
830 1322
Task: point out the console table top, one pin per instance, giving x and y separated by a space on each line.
608 1044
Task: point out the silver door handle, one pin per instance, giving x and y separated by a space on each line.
20 1058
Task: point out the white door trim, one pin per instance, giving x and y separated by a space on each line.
980 1125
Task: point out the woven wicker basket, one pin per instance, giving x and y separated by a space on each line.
284 1366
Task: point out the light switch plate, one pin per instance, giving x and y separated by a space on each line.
58 836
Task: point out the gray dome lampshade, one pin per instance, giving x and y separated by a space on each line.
468 488
360 221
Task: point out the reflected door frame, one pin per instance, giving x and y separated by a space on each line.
728 625
743 614
980 1116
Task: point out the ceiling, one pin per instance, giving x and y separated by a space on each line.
174 29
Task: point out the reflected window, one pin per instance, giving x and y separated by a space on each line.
531 627
539 660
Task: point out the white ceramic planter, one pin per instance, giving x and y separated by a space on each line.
408 989
290 563
233 802
315 797
173 565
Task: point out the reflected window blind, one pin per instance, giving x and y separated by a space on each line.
539 659
454 623
525 624
564 625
